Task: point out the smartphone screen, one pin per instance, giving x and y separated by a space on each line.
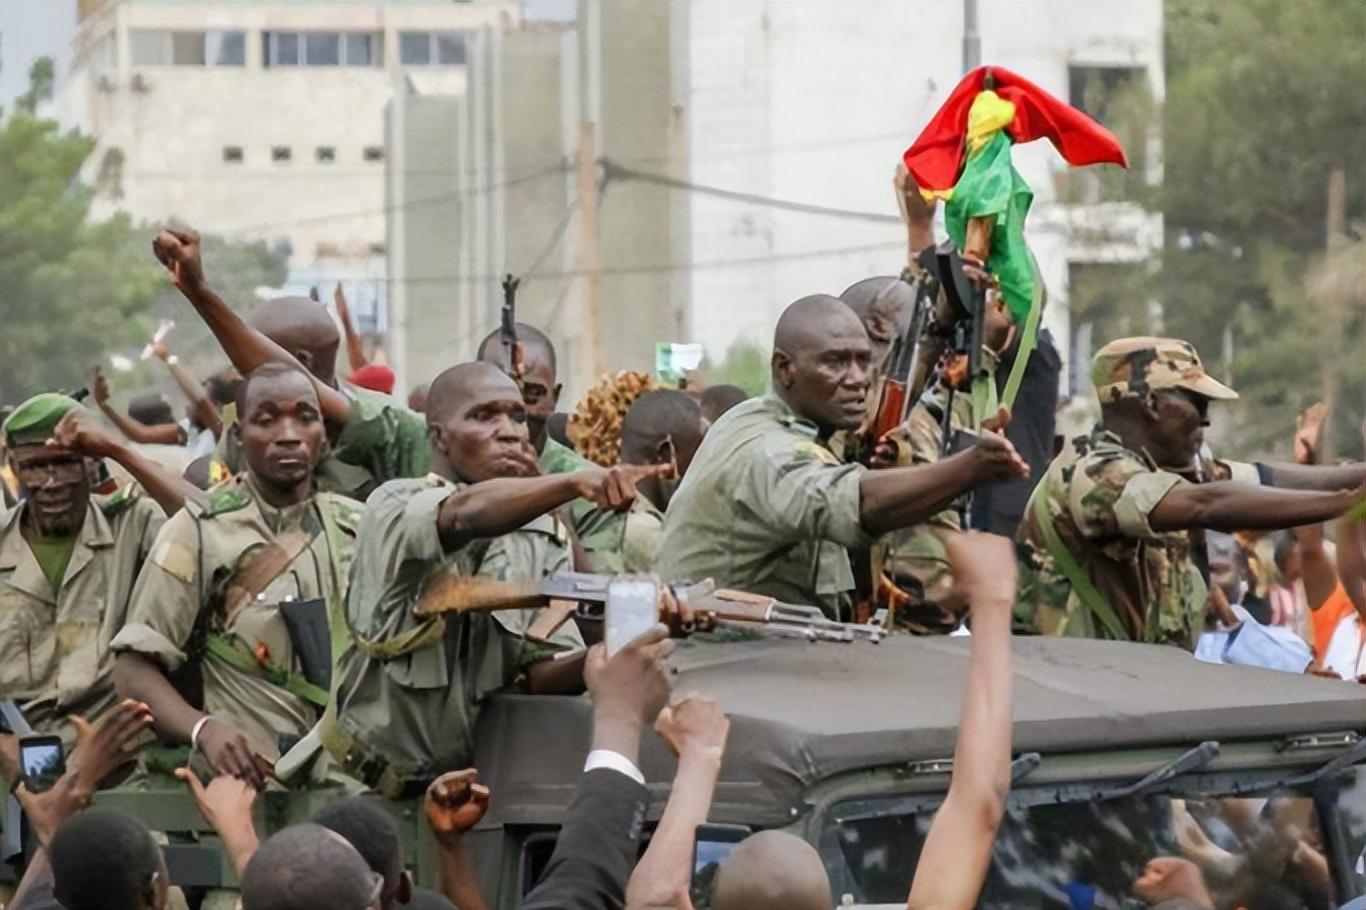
632 610
41 761
712 845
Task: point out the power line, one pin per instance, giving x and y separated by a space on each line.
615 171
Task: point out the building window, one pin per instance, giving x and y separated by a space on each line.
162 47
428 48
320 49
325 154
232 154
227 48
373 153
279 153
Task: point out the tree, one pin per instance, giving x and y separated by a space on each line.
72 290
1263 107
746 365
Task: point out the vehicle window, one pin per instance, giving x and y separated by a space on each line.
1267 851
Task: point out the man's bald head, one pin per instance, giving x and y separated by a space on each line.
453 390
477 425
821 357
883 304
304 329
532 340
540 384
662 426
772 870
305 867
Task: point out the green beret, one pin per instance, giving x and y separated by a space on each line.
35 419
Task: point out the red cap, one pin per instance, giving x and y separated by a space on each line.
373 376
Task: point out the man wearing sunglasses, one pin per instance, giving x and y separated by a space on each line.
1105 533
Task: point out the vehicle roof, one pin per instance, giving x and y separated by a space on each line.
802 712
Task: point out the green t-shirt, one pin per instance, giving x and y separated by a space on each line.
53 555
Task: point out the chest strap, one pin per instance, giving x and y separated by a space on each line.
1086 592
234 652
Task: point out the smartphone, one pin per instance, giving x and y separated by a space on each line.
42 762
632 610
712 844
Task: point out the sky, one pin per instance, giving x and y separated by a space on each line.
30 29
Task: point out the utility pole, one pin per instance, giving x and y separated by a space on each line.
590 255
1335 317
972 38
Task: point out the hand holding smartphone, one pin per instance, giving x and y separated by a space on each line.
632 610
42 762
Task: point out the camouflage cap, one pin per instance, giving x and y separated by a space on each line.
1136 366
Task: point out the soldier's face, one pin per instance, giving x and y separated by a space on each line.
1180 418
485 435
540 392
58 487
828 383
282 430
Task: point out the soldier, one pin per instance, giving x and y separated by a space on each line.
234 604
371 439
411 683
767 507
68 559
541 393
663 427
921 595
1105 531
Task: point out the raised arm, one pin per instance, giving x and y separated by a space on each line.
496 507
77 432
1285 476
247 348
454 804
1230 506
695 729
168 434
900 497
355 354
917 214
957 851
204 410
1352 557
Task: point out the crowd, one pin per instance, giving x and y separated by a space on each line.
285 597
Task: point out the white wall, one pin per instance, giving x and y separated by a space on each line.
815 102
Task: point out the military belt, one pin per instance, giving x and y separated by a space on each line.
233 651
389 779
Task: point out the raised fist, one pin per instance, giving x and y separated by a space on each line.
178 250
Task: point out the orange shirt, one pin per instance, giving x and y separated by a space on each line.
1325 619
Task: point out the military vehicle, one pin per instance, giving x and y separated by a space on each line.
1124 752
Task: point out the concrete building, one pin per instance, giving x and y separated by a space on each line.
815 102
262 120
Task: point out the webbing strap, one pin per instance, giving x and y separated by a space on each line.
1029 338
1076 575
233 651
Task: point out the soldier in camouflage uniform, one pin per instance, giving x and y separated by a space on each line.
767 507
411 683
209 610
1105 536
67 563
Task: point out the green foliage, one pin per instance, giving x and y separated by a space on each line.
1263 104
73 291
746 365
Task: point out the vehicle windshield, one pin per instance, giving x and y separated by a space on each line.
1268 851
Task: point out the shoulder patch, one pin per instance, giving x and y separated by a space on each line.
175 559
807 448
224 500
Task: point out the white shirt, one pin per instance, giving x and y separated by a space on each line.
613 761
1344 655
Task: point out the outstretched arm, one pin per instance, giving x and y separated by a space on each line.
245 347
167 434
495 507
1287 476
900 497
204 411
169 491
355 354
957 851
1230 506
696 731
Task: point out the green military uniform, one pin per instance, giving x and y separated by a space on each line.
54 640
766 507
916 559
380 441
409 687
598 531
628 542
1094 565
184 607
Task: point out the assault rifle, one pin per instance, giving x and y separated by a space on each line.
507 330
712 608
